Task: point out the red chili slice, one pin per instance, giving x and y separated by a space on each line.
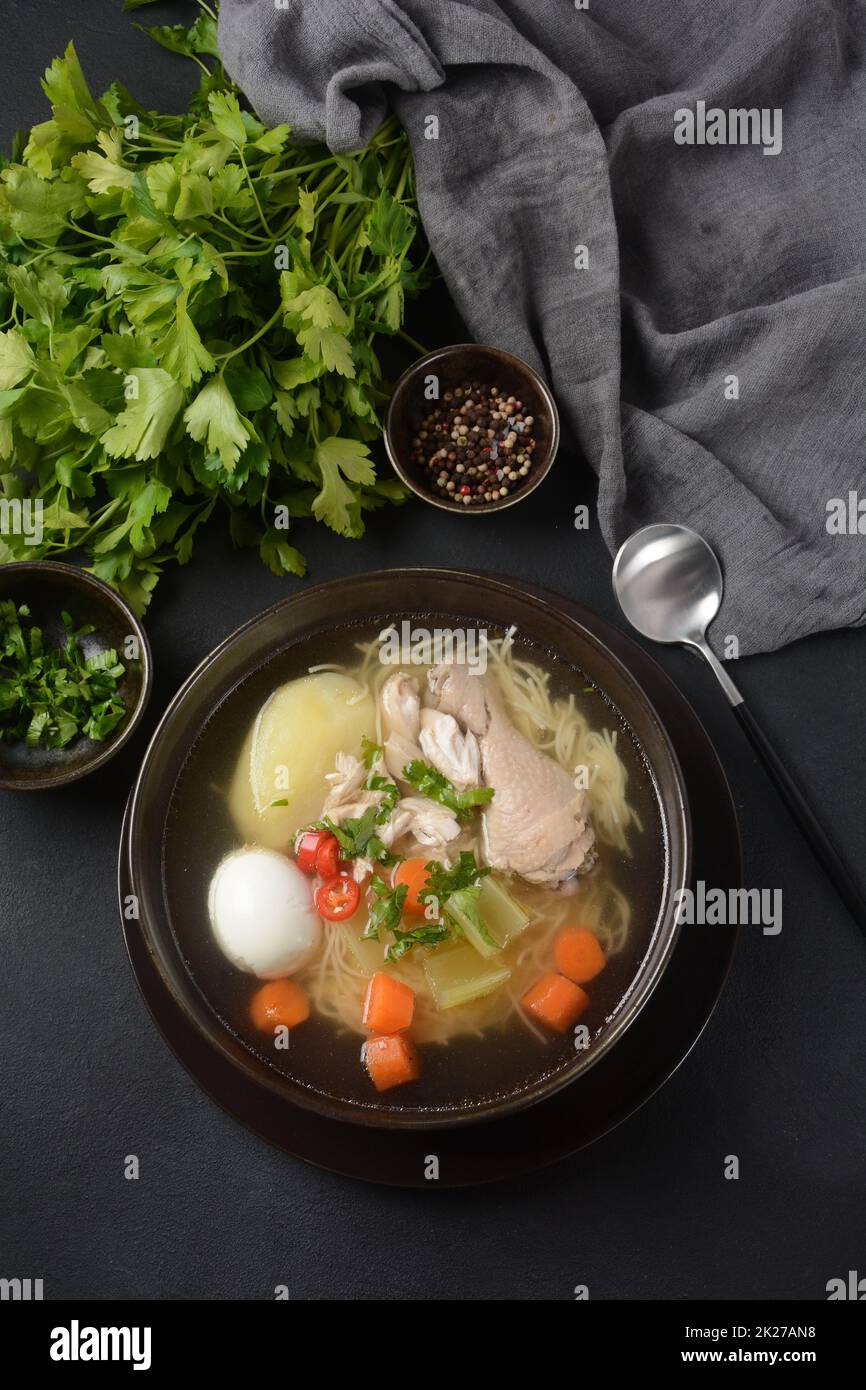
307 848
328 857
337 898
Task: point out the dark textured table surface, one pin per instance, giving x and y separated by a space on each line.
647 1212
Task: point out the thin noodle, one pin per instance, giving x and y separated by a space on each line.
559 728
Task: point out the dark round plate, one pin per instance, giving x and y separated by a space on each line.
642 1060
443 598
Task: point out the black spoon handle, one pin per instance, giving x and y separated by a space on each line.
818 840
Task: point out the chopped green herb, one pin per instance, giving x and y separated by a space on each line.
357 835
377 783
452 893
426 780
50 695
430 934
358 838
370 752
442 882
455 893
387 910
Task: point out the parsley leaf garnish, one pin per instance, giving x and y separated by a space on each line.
431 783
448 889
377 783
442 881
370 751
430 934
358 837
458 887
387 910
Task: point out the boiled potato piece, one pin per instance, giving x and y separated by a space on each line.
293 743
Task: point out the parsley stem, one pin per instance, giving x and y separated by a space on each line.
339 189
300 169
356 217
66 248
94 236
262 217
386 277
413 342
401 184
163 141
98 521
241 231
335 229
243 255
225 356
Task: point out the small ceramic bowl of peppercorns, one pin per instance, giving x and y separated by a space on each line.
471 429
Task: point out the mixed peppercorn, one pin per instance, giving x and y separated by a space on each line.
476 445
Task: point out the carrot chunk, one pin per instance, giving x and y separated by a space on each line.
279 1003
578 955
413 873
391 1060
555 1002
389 1005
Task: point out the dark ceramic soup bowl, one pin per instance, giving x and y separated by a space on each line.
179 829
49 588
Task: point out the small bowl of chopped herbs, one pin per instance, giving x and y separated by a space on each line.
471 429
75 674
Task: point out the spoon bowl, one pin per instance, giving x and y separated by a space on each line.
669 585
668 582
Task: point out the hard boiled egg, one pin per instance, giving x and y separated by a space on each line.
261 913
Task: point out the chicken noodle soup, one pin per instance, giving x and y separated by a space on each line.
427 871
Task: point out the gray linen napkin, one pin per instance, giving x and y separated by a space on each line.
556 130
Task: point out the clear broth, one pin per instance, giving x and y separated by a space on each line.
322 1057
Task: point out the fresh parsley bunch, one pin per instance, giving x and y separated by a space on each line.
189 311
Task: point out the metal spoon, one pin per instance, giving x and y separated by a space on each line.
669 585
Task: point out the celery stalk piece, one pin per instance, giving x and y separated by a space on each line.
469 929
369 955
502 915
456 975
